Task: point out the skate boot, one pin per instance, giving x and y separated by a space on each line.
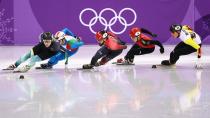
120 60
103 61
23 69
11 67
87 66
128 61
124 62
97 64
46 66
166 63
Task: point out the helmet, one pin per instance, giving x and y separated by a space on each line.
175 28
100 35
59 35
46 36
135 32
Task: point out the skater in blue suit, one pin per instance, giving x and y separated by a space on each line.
70 42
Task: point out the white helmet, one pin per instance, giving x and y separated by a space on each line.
59 35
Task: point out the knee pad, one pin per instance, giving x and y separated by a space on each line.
104 61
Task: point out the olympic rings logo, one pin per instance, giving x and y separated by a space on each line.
104 22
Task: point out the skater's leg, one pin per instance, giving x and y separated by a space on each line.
69 54
31 63
60 56
20 60
110 56
136 50
181 49
54 59
132 52
103 51
173 57
23 58
33 60
99 54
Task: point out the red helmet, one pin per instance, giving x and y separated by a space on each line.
100 35
134 32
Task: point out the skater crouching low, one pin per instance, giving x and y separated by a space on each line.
42 51
111 47
143 45
70 42
190 43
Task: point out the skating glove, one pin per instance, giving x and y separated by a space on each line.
154 35
161 50
78 38
199 53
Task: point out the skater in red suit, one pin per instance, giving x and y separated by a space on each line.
111 46
143 45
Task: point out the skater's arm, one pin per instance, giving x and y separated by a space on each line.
121 42
119 47
56 47
62 49
100 44
66 58
199 52
192 43
112 34
68 32
156 42
113 44
189 41
117 38
148 32
75 44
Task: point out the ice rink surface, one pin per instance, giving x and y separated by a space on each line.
109 91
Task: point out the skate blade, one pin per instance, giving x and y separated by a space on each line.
85 68
122 63
164 66
7 69
18 72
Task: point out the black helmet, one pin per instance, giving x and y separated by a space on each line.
175 28
46 36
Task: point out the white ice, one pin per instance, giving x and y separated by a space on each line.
109 91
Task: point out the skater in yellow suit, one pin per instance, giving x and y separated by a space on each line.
191 42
